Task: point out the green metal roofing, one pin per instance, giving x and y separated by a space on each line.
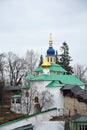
17 96
53 67
57 68
41 77
79 118
70 79
30 76
55 84
86 88
39 69
25 74
26 127
65 79
26 86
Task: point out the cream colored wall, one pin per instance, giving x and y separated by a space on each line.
73 104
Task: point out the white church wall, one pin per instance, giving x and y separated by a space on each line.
58 100
40 85
46 83
46 71
16 107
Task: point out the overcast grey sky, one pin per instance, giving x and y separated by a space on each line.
26 24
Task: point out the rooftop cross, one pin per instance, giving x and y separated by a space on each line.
50 41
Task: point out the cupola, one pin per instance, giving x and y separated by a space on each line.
51 51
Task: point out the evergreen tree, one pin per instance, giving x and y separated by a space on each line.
65 58
41 60
57 59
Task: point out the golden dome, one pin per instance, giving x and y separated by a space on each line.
46 63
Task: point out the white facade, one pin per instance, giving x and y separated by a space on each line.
46 71
39 87
58 100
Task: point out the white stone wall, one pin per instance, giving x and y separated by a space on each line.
40 86
46 71
58 100
15 107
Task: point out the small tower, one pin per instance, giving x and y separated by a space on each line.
51 51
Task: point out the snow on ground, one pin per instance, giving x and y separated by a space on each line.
49 125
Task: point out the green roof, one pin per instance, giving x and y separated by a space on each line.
26 86
55 84
79 118
39 69
65 79
86 88
30 76
57 68
17 96
53 67
26 127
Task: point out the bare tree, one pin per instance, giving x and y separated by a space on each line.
2 80
46 99
28 99
1 96
2 66
31 60
81 72
15 65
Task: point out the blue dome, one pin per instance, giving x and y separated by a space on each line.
50 52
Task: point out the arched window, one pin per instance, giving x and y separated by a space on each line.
27 94
36 99
12 100
18 100
51 59
48 59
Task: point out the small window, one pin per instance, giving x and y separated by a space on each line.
36 99
18 100
27 94
51 59
48 59
12 100
18 109
82 127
